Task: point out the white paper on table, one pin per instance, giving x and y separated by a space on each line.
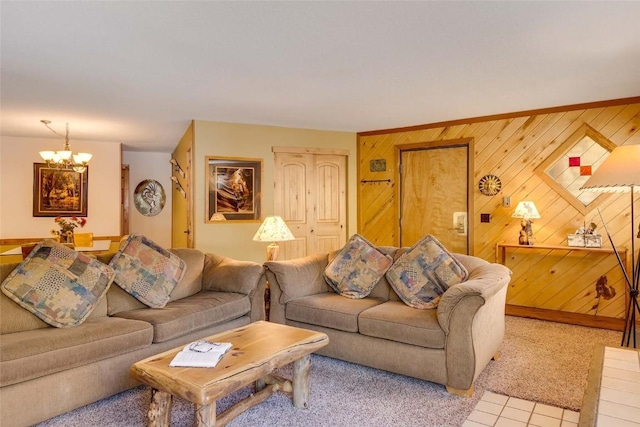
208 356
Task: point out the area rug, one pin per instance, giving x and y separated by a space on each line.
541 361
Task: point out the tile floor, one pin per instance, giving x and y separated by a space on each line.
503 411
619 403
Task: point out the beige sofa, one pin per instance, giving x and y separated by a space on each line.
449 345
46 371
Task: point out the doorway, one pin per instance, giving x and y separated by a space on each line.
435 193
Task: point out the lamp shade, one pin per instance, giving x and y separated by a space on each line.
619 172
526 209
273 229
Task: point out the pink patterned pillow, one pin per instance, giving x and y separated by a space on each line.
424 272
357 268
59 285
147 271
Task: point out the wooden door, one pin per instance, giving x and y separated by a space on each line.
434 195
310 195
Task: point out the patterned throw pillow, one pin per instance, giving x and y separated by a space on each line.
57 284
422 274
356 268
147 271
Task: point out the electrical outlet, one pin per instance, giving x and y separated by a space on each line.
506 201
485 217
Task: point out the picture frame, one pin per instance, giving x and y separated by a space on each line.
59 192
233 189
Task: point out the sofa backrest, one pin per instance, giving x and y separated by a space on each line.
119 300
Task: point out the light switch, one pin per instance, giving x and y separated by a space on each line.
506 201
485 217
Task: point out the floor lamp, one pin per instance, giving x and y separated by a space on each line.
620 172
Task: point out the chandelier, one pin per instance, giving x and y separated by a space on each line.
65 159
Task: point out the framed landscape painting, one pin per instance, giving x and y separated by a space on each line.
59 192
234 189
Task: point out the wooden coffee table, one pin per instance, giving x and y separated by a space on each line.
258 349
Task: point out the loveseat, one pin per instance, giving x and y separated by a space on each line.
449 345
46 371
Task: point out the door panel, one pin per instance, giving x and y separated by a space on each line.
294 198
310 195
434 196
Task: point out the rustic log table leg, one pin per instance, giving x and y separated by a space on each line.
301 382
159 414
260 384
206 415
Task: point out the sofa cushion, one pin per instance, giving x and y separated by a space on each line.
192 313
424 272
329 310
57 284
146 270
356 268
32 354
396 321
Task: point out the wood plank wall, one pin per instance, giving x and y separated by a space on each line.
512 146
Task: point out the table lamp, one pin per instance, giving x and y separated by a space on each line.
620 172
527 211
273 230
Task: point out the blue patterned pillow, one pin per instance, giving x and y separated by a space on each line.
147 271
356 268
422 274
57 284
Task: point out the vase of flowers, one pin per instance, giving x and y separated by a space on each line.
65 233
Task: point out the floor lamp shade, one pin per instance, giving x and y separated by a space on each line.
273 230
620 172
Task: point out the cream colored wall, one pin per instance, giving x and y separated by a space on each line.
145 165
16 187
240 140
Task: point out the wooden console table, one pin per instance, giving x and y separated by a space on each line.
577 285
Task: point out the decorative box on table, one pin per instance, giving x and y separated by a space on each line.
585 240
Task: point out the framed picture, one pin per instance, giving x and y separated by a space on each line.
234 189
59 192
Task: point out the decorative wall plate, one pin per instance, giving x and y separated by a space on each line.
490 185
149 197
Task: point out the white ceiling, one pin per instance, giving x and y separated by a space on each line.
137 72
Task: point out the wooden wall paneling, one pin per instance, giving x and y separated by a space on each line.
544 263
512 146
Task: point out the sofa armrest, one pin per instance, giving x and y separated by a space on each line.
298 277
472 316
224 274
485 282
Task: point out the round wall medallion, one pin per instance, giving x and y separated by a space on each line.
149 197
490 185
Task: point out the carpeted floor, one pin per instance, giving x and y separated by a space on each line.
541 361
